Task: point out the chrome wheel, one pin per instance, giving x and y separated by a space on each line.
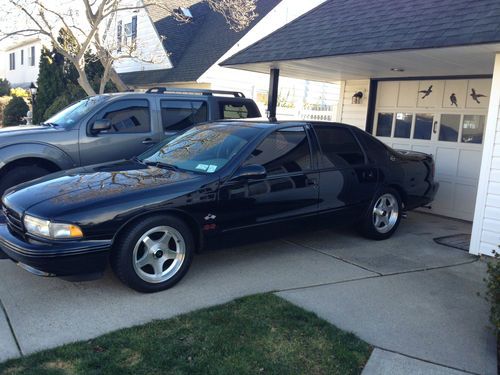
158 254
385 213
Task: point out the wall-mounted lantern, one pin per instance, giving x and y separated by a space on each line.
356 98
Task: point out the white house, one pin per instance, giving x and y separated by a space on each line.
187 54
421 75
20 60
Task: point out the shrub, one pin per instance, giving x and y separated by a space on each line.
493 291
15 111
4 100
72 94
19 92
4 87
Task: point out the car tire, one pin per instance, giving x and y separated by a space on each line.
20 174
153 254
383 216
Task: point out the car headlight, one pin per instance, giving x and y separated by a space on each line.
48 229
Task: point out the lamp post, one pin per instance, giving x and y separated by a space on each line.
33 90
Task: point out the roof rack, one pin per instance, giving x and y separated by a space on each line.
163 90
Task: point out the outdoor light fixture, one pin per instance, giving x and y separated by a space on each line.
33 89
356 98
397 70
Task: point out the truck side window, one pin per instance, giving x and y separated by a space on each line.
339 147
128 116
178 115
236 110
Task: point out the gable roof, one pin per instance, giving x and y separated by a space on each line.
344 27
193 46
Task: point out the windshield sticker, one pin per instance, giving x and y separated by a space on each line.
203 167
211 168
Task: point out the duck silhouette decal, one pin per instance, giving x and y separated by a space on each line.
475 96
453 99
426 92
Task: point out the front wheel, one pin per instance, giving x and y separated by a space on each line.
154 254
383 216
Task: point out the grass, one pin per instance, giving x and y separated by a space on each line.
261 334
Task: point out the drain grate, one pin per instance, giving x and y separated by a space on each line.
457 241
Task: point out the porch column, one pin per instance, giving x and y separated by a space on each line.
272 96
486 226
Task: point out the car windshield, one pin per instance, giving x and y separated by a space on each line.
204 149
76 111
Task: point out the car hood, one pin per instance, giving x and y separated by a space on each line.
73 190
24 129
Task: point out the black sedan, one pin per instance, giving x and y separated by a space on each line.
148 216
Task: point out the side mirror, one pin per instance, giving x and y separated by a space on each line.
100 126
250 172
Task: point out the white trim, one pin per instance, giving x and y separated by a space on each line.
489 142
340 105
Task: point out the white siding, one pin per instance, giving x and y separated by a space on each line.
486 227
149 53
24 73
354 114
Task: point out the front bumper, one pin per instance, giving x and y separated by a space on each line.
68 259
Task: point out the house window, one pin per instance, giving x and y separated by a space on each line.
12 61
31 56
22 57
423 126
403 125
449 128
119 36
134 28
130 31
472 128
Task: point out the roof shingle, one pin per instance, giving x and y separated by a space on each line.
343 27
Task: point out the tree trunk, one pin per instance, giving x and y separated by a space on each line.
84 82
116 79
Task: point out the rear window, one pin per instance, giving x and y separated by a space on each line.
237 110
339 147
178 115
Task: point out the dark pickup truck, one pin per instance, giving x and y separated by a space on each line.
110 127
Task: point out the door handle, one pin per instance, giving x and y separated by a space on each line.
148 141
434 127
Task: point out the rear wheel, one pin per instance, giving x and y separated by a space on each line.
154 254
383 216
19 174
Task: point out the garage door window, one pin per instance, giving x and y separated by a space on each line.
384 124
473 128
449 128
403 125
423 126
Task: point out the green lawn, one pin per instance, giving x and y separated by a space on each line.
261 334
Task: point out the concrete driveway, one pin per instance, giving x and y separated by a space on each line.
414 300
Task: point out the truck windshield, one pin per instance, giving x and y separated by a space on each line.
203 149
75 112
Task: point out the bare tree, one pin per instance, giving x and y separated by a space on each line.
88 24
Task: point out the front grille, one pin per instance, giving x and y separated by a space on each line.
14 221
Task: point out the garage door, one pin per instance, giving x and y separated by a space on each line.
445 118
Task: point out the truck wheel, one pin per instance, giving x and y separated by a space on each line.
154 254
20 174
383 216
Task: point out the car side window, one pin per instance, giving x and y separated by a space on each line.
128 116
236 110
283 151
340 148
375 149
178 115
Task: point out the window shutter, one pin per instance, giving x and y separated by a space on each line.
134 28
119 36
33 56
22 57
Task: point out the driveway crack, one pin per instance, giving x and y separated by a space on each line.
11 327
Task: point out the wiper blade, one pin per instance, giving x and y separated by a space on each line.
51 124
159 164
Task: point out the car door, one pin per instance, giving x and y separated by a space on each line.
131 132
346 180
288 191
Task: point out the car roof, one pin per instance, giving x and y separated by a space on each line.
172 95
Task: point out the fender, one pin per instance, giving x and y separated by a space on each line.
39 150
